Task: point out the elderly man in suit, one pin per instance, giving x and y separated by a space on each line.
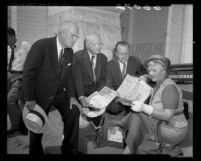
47 80
121 64
89 71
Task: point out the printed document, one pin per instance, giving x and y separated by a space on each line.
102 98
132 88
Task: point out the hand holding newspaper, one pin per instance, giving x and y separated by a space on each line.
98 102
133 89
102 98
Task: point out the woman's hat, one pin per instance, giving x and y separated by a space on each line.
161 58
36 119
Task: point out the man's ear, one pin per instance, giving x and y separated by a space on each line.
115 53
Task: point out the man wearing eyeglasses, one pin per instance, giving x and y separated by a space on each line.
121 64
48 80
90 71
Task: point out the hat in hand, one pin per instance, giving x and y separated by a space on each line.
36 119
93 113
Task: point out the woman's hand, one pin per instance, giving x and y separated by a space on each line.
137 106
141 107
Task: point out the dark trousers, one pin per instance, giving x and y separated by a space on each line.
70 119
14 83
117 109
133 124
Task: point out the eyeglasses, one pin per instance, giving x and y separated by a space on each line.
97 45
123 54
74 36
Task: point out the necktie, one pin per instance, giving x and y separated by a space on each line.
61 59
11 58
93 68
124 70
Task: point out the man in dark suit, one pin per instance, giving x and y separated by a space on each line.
89 70
121 64
47 80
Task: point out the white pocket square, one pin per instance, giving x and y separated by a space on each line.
69 64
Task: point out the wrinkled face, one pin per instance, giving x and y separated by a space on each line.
94 44
122 53
11 40
69 36
156 71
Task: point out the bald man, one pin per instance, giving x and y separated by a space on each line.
89 70
47 80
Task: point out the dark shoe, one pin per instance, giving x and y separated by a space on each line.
77 153
24 131
12 131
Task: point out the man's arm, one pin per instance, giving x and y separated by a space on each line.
141 70
109 79
102 78
77 76
31 67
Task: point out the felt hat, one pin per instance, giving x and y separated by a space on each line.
164 60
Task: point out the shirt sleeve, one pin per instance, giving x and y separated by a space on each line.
170 97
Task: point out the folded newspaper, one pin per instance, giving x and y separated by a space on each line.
102 98
134 89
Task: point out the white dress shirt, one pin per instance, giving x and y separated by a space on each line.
59 48
121 66
94 60
20 55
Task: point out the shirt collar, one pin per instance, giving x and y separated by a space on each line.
59 47
90 55
121 62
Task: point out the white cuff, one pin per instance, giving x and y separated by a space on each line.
81 97
148 109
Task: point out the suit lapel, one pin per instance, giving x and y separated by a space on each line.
130 66
87 65
98 64
54 54
118 70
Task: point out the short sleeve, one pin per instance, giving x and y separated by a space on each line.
170 97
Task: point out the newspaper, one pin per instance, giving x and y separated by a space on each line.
102 98
114 134
132 88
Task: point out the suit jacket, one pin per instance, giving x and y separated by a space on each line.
41 77
113 72
83 73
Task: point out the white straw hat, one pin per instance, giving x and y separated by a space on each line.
36 120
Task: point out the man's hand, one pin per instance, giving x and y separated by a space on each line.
92 107
73 101
30 104
83 101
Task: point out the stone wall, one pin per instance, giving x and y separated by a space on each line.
89 20
29 22
146 31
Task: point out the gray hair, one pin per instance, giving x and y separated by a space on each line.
66 25
91 36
